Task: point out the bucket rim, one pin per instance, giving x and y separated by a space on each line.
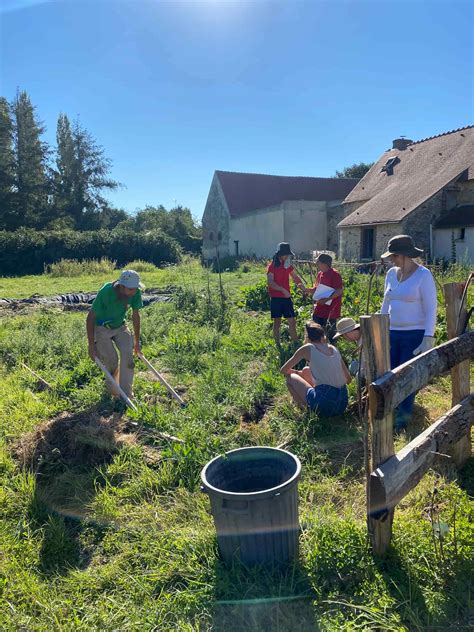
271 491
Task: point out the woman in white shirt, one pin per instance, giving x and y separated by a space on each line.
321 385
410 300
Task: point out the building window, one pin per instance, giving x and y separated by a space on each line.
389 165
236 244
219 236
367 243
211 236
461 233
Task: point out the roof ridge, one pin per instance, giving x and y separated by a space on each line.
453 131
270 175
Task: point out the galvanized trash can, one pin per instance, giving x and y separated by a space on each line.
254 503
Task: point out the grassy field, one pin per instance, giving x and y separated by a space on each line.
105 528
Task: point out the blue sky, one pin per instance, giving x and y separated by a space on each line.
176 90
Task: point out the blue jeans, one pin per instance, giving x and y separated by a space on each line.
327 400
402 345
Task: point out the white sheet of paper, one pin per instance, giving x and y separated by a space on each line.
323 291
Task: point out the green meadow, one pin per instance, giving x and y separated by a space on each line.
103 524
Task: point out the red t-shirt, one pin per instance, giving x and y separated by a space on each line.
332 278
281 275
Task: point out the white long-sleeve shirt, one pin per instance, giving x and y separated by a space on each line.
412 303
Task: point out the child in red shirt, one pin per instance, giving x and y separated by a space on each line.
327 310
279 272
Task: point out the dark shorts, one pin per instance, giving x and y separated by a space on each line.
329 325
281 307
327 400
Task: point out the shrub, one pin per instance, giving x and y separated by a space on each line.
256 296
28 252
225 264
140 266
74 268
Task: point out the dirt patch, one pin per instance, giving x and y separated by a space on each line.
85 439
256 412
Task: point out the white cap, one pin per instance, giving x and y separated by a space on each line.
130 279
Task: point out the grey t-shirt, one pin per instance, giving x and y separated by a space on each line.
327 369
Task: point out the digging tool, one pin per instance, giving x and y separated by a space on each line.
115 384
161 379
44 384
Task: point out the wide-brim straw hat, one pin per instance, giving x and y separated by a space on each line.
402 245
344 326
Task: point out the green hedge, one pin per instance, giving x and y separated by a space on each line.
27 251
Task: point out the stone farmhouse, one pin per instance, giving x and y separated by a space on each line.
422 188
248 214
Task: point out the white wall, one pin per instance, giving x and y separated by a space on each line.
442 244
258 233
305 225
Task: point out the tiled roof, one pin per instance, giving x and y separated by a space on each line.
424 168
460 216
245 192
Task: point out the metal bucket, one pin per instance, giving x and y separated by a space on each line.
254 503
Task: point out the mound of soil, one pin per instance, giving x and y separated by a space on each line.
86 439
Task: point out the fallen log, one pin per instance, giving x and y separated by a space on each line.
399 474
391 389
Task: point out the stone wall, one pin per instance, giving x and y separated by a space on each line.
215 223
465 193
336 212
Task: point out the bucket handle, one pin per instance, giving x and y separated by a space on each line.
241 506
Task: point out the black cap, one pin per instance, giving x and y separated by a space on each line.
324 258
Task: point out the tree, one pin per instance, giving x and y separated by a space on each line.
81 175
30 165
355 171
7 165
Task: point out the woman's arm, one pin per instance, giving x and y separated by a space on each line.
303 353
386 294
429 302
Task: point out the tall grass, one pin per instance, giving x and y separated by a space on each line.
75 268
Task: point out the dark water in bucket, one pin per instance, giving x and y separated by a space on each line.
254 503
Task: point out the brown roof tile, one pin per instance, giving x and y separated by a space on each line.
424 167
245 192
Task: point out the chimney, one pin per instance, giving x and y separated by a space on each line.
401 143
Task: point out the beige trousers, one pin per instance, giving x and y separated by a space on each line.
105 342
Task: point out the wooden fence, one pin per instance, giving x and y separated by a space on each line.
391 476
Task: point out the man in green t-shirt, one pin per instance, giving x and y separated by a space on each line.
107 330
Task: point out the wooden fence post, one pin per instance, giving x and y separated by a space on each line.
379 447
460 377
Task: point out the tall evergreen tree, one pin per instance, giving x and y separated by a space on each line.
64 174
7 163
31 157
90 178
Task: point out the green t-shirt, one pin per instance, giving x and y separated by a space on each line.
111 311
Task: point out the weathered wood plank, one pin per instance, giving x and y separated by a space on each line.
379 446
460 374
392 480
393 387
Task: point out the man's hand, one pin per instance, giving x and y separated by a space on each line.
322 301
285 293
136 347
92 353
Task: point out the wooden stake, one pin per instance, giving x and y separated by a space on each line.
376 350
460 377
